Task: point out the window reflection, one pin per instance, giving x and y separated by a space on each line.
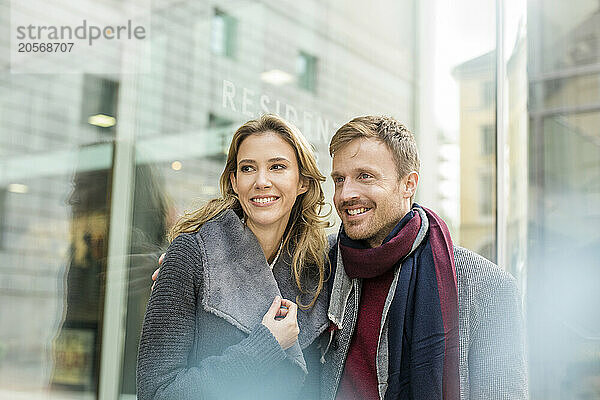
564 197
76 348
476 80
216 65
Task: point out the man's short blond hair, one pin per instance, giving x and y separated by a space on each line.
392 133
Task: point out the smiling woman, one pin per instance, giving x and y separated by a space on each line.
267 182
304 236
218 323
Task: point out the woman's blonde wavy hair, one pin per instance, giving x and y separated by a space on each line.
305 231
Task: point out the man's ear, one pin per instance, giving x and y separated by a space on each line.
410 184
233 181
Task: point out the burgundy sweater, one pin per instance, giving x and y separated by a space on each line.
359 380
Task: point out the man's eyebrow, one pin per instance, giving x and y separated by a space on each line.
338 173
354 171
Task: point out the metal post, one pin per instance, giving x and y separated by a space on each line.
501 145
123 184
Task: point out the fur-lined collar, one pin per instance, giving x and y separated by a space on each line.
239 287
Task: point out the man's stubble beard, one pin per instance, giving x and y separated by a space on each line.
377 231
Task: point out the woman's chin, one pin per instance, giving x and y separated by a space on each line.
265 218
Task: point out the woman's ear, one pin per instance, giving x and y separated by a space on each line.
302 185
233 181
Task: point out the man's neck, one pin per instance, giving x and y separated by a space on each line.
378 239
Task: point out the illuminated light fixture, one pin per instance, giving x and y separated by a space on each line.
17 188
276 77
176 165
101 120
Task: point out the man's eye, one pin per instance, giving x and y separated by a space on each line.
338 179
364 176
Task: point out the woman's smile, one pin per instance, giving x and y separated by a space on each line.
264 201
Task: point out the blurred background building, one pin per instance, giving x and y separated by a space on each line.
503 97
477 88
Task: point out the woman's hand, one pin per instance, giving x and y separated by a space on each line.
280 319
284 329
155 274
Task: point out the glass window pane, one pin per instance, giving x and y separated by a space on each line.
564 195
317 64
567 92
474 96
224 34
212 68
306 68
570 35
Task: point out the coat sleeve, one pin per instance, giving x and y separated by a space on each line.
497 356
168 334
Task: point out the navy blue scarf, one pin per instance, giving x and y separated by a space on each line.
423 316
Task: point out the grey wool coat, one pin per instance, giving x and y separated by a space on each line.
202 336
491 331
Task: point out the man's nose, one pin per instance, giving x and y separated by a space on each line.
348 191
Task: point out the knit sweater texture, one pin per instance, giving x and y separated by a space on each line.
202 337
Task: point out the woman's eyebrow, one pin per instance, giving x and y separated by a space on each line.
275 159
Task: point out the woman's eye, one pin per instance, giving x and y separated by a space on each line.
245 168
278 166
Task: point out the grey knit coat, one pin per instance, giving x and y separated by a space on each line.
202 336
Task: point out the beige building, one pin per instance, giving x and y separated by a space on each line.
478 175
477 140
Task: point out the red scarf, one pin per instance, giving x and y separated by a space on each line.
423 362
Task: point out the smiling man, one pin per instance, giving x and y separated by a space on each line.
413 316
